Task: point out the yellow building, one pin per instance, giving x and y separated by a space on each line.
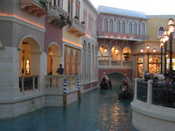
148 54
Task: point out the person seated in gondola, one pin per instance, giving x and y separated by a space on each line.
110 84
103 84
124 94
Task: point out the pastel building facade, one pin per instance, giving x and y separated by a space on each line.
118 30
147 55
35 38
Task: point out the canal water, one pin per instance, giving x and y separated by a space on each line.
97 111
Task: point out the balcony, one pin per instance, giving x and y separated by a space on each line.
34 7
120 36
76 27
57 16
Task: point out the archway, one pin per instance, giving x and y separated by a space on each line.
126 53
29 57
116 53
53 59
116 80
29 64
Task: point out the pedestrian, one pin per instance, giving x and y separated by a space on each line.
60 70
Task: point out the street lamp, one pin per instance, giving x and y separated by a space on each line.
161 58
171 29
164 38
147 52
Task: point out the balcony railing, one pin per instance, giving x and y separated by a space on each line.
121 36
57 16
34 7
76 27
155 93
28 83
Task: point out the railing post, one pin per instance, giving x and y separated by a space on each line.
22 80
78 88
33 82
135 89
149 92
65 93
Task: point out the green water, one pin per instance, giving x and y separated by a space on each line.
97 111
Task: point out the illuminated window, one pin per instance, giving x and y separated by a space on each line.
154 64
126 54
140 67
116 54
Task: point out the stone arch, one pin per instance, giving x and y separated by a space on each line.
29 57
126 52
116 53
103 50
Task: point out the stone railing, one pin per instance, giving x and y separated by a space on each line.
76 27
67 83
35 7
28 83
155 93
54 81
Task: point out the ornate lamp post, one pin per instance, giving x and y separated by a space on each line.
163 41
171 29
161 57
147 52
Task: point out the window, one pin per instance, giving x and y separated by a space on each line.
78 8
106 25
139 29
126 54
130 28
160 31
154 64
116 54
123 27
143 28
119 26
70 8
135 28
72 60
111 26
140 67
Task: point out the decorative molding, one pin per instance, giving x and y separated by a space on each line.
22 21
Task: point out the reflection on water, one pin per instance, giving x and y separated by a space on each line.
98 111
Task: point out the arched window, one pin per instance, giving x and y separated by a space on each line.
116 26
135 28
106 25
119 26
143 28
130 27
160 31
116 54
126 54
139 29
123 27
111 26
103 50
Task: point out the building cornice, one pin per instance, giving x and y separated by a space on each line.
23 21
